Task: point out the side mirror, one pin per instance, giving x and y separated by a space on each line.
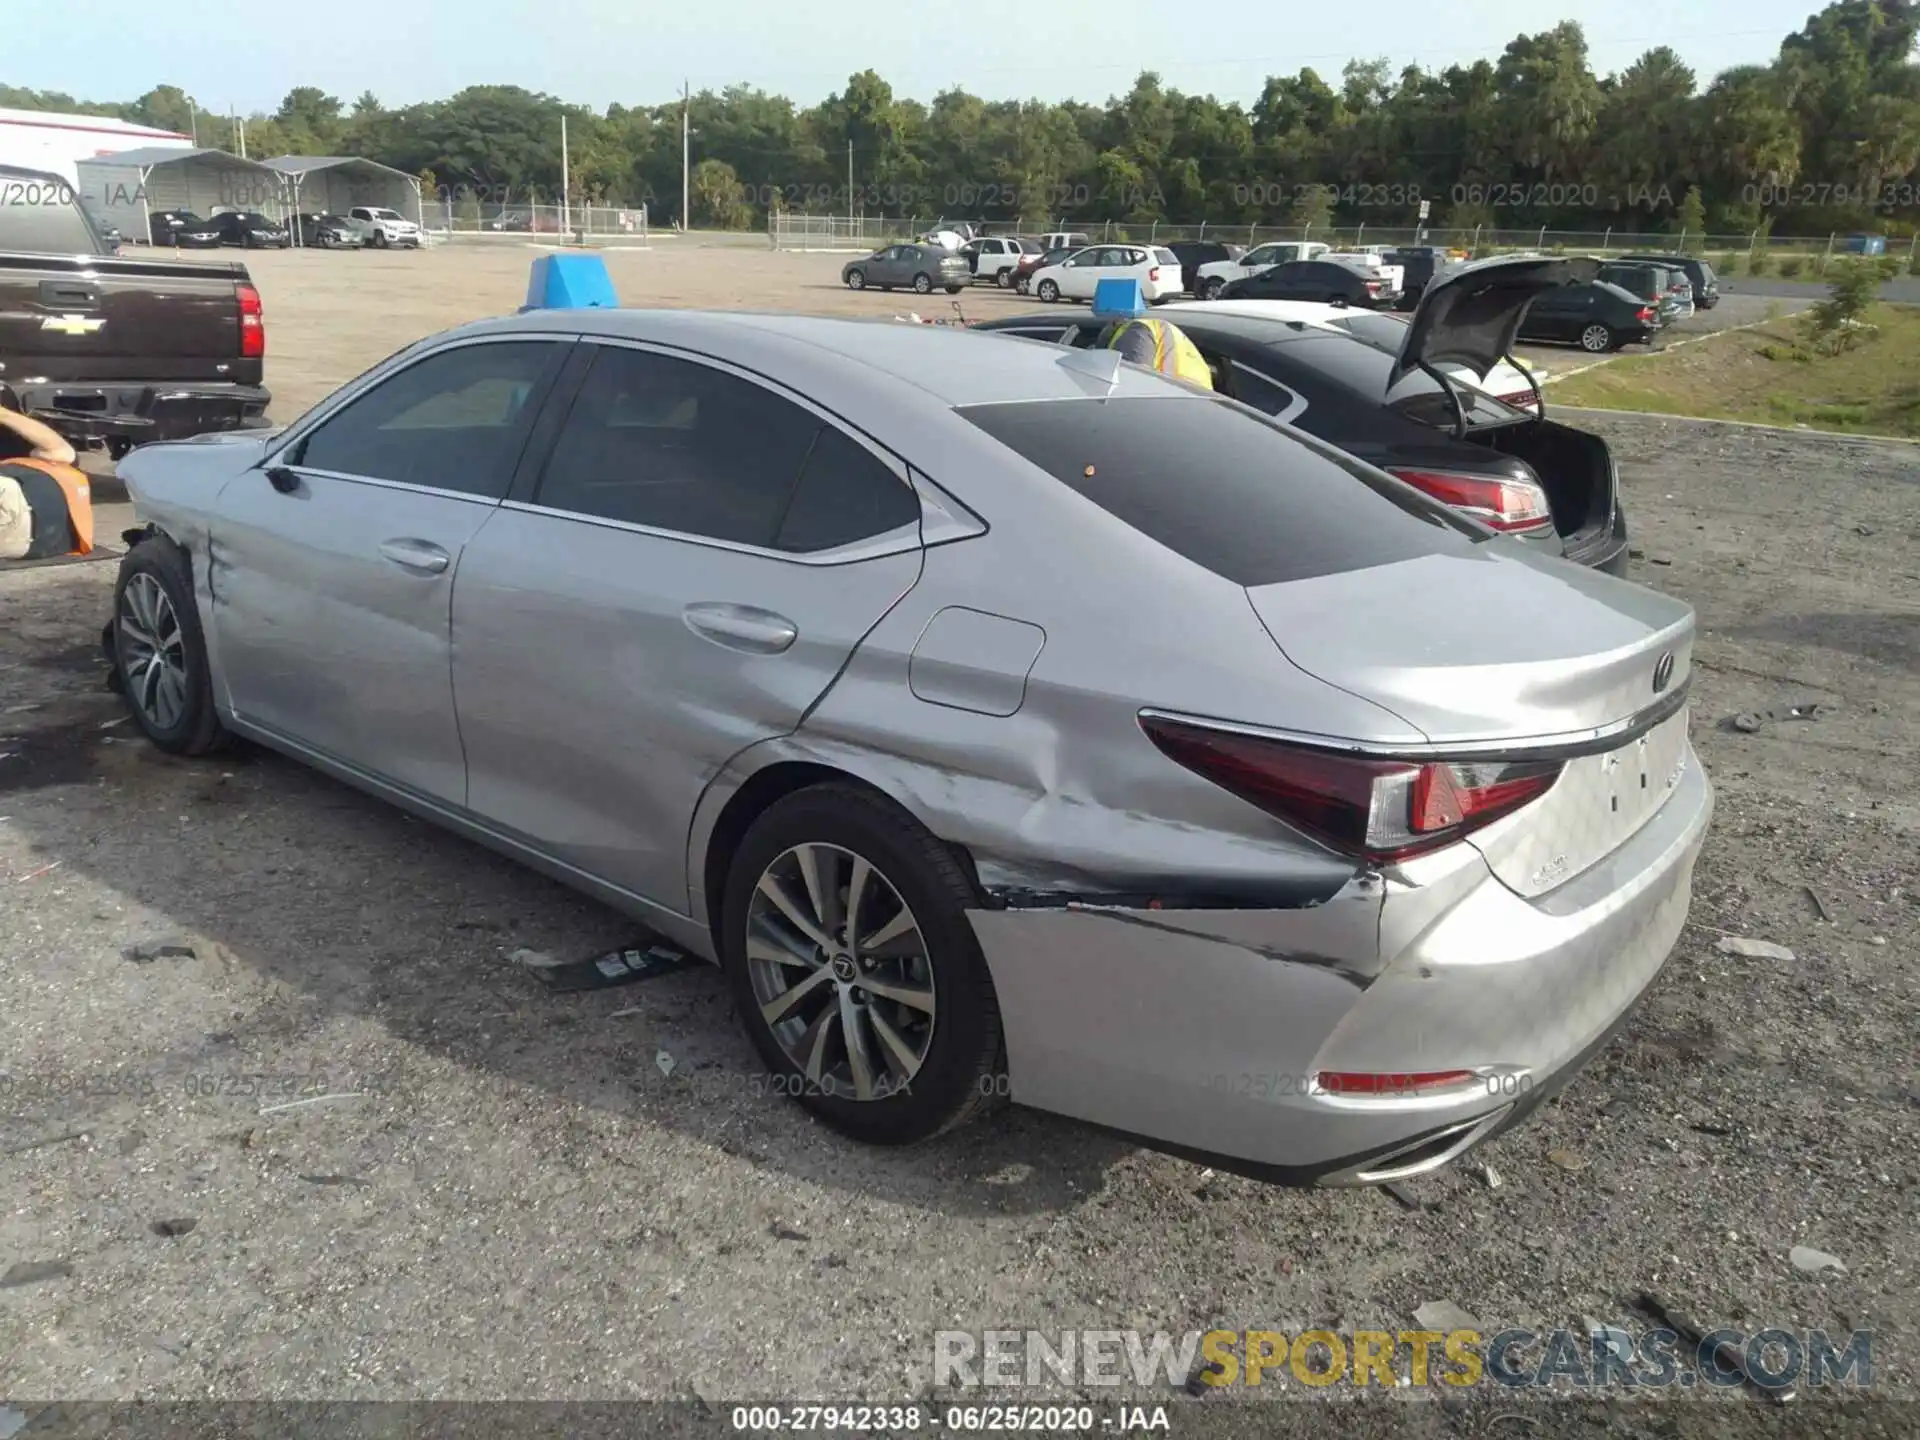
283 479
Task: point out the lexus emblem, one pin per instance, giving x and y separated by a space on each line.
1663 673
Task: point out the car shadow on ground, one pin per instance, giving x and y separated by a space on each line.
359 912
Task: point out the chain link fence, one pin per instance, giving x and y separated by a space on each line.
468 218
1752 253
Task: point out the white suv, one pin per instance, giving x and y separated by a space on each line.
1155 267
383 227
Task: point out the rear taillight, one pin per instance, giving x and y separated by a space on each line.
1517 397
253 324
1646 314
1376 810
1154 274
1516 507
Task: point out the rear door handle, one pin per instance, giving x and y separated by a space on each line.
742 627
421 555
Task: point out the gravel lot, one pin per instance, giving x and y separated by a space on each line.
509 1199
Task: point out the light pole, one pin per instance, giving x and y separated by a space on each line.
686 213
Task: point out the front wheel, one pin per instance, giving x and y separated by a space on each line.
378 240
922 284
1337 300
1048 291
1596 339
1211 287
953 289
1004 279
159 651
856 280
1024 284
855 968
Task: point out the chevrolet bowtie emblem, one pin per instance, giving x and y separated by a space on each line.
72 324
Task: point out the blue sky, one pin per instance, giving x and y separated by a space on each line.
247 55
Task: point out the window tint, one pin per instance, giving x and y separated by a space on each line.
1166 257
1226 489
664 442
453 421
845 494
43 213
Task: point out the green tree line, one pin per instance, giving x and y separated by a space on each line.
1825 137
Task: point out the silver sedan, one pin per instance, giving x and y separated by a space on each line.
1003 721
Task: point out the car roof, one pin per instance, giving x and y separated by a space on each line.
1313 312
946 363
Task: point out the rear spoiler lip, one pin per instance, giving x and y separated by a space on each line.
1569 746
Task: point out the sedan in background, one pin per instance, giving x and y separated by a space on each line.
1074 278
1327 281
327 231
1658 285
1003 720
1598 317
251 229
917 267
1549 485
183 230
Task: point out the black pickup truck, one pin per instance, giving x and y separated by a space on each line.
115 351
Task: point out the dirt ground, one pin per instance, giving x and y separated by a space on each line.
404 1170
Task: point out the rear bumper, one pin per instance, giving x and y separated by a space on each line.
1199 1032
143 413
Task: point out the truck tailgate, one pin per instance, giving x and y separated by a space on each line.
109 318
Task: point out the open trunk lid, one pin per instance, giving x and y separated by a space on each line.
1471 316
1497 646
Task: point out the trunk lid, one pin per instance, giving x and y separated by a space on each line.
107 318
1512 648
1471 316
1500 645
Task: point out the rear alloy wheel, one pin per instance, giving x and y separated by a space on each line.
1004 279
856 279
922 283
1024 284
1337 300
1048 291
159 651
1596 339
855 968
953 289
1211 287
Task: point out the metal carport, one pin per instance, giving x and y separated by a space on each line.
127 188
337 183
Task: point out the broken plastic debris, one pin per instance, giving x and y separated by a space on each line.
1566 1160
664 1061
1491 1176
1444 1315
1752 949
147 951
1810 1261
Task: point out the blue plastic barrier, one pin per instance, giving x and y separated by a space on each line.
570 282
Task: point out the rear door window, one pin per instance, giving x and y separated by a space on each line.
1226 489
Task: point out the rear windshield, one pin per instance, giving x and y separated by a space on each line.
1225 488
42 213
1166 257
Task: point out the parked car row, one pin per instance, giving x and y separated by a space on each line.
1002 718
363 226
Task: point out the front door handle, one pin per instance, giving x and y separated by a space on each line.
421 555
742 627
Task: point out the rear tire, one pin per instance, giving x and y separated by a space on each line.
1597 340
1004 279
953 289
1211 287
929 1066
160 652
923 284
1024 285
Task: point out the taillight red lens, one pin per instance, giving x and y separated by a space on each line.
1154 274
1515 506
1646 314
253 324
1375 810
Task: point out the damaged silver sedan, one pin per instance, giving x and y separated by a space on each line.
1002 721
